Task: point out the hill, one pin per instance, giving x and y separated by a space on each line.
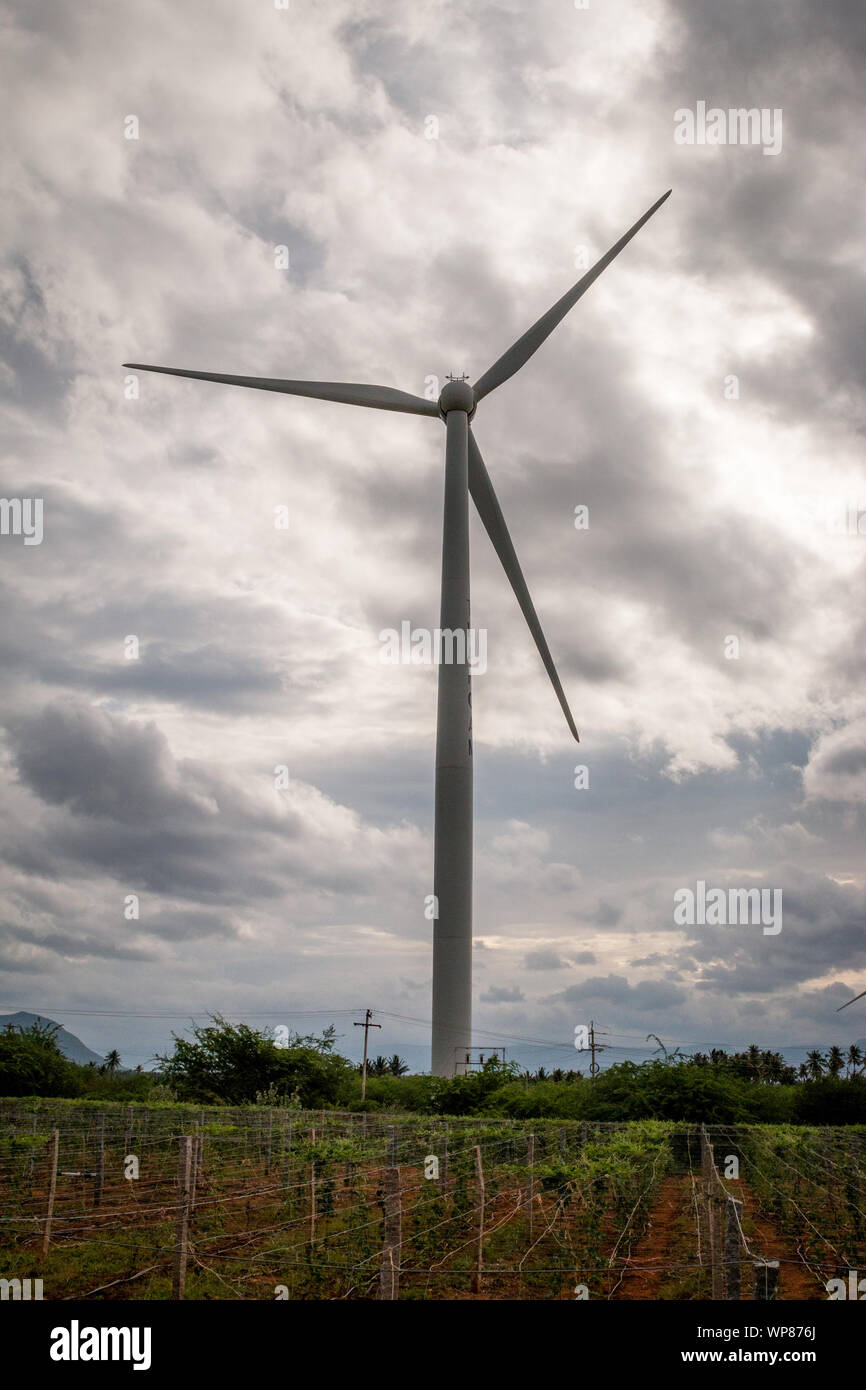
71 1046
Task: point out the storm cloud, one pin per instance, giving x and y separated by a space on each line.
194 710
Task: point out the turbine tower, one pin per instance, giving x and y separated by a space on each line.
465 476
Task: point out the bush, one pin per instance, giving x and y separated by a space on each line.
670 1090
831 1101
31 1063
233 1065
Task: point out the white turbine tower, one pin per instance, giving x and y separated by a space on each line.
465 476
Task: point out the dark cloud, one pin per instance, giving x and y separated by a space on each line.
259 647
544 960
501 994
645 996
847 761
98 765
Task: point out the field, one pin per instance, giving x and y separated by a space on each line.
166 1202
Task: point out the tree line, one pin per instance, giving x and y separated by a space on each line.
232 1064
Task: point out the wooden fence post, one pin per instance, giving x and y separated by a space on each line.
287 1165
193 1166
312 1190
705 1160
766 1280
127 1134
99 1175
479 1263
712 1206
182 1244
31 1159
389 1273
54 1143
714 1224
852 1188
530 1183
733 1211
269 1147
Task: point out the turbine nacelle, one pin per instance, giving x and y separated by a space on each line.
457 395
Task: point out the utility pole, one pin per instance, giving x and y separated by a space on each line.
366 1025
594 1047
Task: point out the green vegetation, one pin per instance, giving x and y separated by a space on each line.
292 1203
228 1064
32 1064
810 1182
293 1199
235 1064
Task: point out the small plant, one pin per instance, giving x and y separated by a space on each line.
160 1094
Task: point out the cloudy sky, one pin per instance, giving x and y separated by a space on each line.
437 173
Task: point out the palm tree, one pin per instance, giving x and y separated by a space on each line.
835 1061
112 1061
854 1060
816 1062
755 1061
397 1067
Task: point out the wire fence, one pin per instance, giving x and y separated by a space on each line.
219 1203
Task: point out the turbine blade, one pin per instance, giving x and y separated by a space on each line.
487 505
851 1001
349 393
521 351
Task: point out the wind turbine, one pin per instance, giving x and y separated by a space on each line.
465 476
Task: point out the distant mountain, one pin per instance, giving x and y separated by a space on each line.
69 1045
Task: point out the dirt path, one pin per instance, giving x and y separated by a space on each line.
664 1265
795 1279
669 1241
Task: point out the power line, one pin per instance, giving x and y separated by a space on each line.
551 1042
402 1018
187 1013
